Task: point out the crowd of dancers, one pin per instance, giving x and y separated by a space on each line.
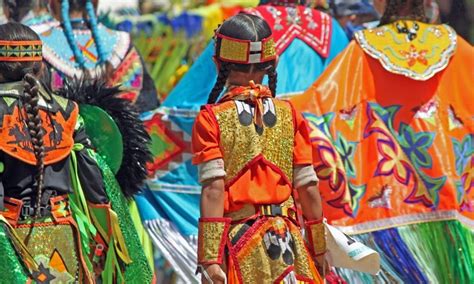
295 122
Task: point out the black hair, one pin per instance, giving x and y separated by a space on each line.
18 9
416 10
244 27
27 71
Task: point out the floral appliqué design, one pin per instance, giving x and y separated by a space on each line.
413 56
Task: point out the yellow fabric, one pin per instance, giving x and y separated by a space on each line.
211 241
418 52
317 237
252 261
144 237
241 144
20 246
119 241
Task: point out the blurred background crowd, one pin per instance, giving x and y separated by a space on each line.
170 34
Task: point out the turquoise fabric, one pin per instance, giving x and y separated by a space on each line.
174 196
298 67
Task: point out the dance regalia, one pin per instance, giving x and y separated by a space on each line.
128 69
392 130
175 189
261 235
84 232
39 23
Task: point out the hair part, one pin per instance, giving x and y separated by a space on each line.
244 27
393 8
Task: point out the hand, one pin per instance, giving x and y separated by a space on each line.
215 273
322 265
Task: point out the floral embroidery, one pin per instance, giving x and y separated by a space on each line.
413 55
409 48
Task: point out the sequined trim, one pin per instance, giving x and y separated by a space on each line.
54 249
212 239
316 234
268 251
413 49
242 144
309 25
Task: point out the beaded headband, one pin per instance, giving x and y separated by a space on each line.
246 51
26 50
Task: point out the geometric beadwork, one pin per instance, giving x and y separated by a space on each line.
30 50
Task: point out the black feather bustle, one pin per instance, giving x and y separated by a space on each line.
136 153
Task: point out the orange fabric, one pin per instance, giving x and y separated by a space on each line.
375 166
254 94
58 142
259 182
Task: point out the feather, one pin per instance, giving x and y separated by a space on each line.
132 172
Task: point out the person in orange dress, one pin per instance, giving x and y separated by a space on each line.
253 151
392 127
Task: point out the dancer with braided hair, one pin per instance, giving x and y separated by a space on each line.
253 151
91 51
307 41
62 218
392 130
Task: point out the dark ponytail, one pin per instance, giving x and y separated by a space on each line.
393 9
30 99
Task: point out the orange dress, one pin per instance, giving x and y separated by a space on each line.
392 126
258 181
258 163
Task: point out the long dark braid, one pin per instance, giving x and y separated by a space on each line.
393 7
14 71
30 99
224 72
272 80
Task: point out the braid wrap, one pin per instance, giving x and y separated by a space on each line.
68 31
95 31
30 98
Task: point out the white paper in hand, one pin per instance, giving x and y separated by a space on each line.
345 252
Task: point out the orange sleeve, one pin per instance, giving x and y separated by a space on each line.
303 151
205 138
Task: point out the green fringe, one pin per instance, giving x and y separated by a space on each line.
139 270
444 250
11 269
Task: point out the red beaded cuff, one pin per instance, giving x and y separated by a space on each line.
212 239
316 234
